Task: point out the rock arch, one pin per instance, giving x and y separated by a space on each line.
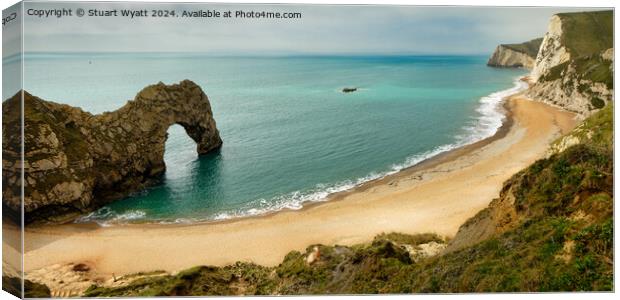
76 162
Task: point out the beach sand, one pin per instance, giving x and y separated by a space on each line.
436 196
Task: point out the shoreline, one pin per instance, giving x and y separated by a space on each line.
436 196
443 157
439 158
428 163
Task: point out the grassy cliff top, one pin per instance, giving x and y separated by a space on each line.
530 47
587 33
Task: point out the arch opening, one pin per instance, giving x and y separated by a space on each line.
179 153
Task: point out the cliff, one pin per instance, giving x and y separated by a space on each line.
75 162
515 55
574 67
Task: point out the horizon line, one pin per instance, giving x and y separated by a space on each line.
266 54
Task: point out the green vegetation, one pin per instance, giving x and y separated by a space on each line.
562 240
12 285
231 280
596 130
338 270
530 47
556 73
142 274
587 33
591 67
408 239
38 115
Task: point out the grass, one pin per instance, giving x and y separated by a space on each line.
548 196
591 67
530 47
414 240
587 33
596 130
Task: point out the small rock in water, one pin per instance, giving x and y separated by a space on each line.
349 90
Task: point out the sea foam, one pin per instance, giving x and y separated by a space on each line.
106 217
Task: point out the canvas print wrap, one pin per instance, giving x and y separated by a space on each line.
196 149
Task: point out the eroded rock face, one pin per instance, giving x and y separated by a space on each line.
515 55
498 217
574 92
75 162
574 67
552 51
508 58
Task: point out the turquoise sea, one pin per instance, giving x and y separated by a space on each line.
290 135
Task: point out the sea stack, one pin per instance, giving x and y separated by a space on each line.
75 162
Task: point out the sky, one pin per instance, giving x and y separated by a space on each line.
322 30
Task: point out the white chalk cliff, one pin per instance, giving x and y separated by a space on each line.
574 66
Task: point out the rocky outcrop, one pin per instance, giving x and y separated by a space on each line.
574 67
515 55
75 162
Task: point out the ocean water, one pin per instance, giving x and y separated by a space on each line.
290 135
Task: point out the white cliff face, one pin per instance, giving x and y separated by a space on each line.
509 58
573 95
563 79
552 52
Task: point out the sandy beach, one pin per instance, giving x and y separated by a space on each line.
436 196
